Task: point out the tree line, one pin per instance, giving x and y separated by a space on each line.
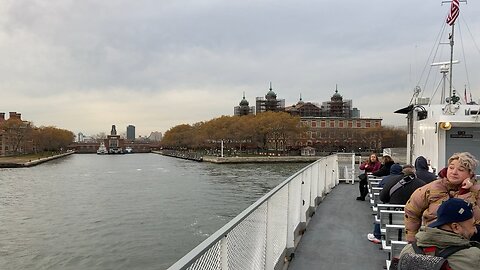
272 130
23 137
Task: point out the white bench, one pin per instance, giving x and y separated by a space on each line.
386 206
393 232
390 217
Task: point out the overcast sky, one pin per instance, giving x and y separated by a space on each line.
85 65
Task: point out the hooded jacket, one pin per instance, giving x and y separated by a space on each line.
424 202
395 170
401 195
421 170
465 259
384 169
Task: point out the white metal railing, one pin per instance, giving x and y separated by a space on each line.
265 234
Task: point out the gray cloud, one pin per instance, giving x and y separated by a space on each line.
84 65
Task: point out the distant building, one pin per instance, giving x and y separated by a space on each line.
336 107
113 142
130 133
269 103
15 138
335 126
243 108
155 136
80 137
305 109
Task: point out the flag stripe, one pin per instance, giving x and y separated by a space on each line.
454 11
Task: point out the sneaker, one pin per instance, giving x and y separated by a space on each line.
360 198
373 239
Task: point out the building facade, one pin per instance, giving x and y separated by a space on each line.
243 108
155 136
15 135
130 133
113 142
269 103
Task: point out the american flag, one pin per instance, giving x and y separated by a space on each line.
454 11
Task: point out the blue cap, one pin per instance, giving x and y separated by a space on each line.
452 210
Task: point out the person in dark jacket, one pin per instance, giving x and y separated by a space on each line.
399 190
421 170
395 171
396 194
385 168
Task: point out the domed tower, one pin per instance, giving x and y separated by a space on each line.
271 103
336 104
300 101
244 108
113 131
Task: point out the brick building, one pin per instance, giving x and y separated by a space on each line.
15 135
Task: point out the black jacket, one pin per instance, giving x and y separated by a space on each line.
402 195
421 170
384 170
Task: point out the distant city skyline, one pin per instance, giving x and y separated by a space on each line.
160 64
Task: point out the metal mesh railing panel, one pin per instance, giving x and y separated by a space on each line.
313 186
305 194
258 238
277 224
294 204
246 242
210 260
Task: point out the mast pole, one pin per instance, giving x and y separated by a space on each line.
451 62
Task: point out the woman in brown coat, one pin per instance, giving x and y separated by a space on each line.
459 182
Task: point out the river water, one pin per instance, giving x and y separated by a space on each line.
138 211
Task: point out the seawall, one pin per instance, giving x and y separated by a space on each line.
18 163
223 160
266 159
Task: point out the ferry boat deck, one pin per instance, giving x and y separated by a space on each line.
336 237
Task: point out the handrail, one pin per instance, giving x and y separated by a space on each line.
265 234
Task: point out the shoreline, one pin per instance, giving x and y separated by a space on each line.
266 159
233 160
16 162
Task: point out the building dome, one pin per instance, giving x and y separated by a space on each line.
271 94
244 102
336 96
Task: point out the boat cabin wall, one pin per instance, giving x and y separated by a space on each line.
463 139
437 145
428 142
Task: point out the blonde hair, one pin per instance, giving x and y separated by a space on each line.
466 159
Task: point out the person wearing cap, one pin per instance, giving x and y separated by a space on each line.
395 171
399 189
454 227
396 194
421 208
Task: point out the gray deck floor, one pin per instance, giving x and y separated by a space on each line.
336 237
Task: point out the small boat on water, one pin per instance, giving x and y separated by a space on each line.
128 150
102 150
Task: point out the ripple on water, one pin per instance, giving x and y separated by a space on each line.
141 211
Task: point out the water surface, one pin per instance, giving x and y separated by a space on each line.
138 211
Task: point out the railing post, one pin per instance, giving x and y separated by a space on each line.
290 226
224 253
353 168
269 260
